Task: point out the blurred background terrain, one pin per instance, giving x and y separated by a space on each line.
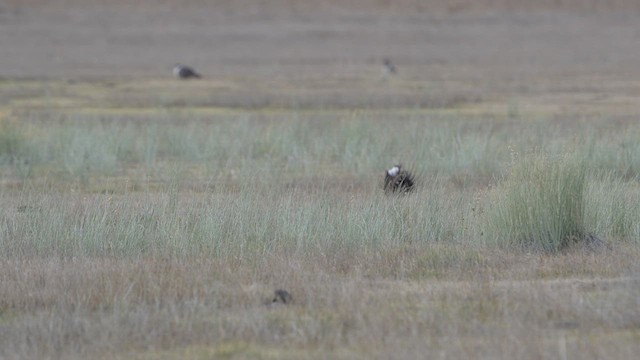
555 55
502 38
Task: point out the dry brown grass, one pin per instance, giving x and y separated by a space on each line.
452 299
482 81
497 305
447 296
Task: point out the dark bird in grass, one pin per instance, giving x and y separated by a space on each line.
398 180
282 296
389 67
184 72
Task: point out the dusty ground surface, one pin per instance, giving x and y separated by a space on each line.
574 56
62 39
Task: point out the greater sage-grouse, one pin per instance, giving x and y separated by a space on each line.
282 296
184 72
398 180
389 67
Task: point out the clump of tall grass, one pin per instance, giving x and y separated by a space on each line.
540 204
12 140
613 207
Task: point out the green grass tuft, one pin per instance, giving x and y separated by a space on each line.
541 203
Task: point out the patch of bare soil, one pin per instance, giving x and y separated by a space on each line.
505 42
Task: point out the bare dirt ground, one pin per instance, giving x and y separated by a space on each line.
557 57
492 47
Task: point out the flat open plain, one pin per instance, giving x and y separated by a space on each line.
143 217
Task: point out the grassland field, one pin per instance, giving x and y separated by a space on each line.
142 217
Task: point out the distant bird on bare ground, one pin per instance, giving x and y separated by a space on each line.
389 67
398 180
184 72
282 296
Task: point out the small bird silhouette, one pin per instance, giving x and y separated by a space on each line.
184 72
389 67
282 296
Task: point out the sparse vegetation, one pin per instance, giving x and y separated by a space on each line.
117 217
142 217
